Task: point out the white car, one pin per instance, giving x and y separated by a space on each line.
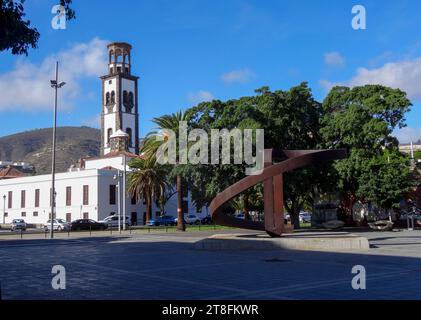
190 219
112 221
305 217
58 225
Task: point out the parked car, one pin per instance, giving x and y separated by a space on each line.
207 220
87 224
417 221
305 217
240 216
162 221
58 225
112 221
190 219
18 224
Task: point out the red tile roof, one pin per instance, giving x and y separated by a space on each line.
10 173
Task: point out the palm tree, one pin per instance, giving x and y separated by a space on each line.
147 181
168 122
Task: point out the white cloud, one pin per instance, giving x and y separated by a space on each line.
334 59
237 76
200 96
405 75
407 134
27 86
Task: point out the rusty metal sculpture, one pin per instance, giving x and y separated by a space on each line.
276 162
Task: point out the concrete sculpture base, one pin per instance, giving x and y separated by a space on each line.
316 241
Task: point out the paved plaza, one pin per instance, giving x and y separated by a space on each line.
166 266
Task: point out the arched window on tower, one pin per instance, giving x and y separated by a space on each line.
129 133
119 60
109 134
107 98
119 56
131 99
125 97
112 97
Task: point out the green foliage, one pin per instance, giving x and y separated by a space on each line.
147 181
362 120
291 120
384 179
16 33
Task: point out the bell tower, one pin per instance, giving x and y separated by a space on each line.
119 100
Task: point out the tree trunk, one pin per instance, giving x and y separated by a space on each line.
148 208
346 205
180 215
295 215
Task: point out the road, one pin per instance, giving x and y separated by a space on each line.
165 266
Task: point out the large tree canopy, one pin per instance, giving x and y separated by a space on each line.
16 33
291 120
362 120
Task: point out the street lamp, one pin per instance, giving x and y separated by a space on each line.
55 85
4 209
117 177
124 192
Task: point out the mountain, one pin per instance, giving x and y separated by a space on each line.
35 147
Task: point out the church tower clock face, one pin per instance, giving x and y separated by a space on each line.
119 101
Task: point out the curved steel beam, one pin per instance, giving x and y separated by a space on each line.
271 177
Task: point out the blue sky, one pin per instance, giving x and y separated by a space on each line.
186 51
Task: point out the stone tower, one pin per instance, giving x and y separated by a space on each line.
119 101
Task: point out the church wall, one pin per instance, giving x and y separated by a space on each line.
40 214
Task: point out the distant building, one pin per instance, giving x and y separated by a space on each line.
19 165
406 148
89 189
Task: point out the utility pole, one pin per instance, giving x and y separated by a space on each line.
4 209
412 150
119 200
55 85
124 192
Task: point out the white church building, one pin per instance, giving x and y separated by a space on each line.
90 189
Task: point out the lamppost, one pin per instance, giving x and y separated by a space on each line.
56 85
118 177
4 209
124 192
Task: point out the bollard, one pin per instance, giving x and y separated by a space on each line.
68 233
90 230
149 230
21 233
45 234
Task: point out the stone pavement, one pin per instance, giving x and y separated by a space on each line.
165 266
